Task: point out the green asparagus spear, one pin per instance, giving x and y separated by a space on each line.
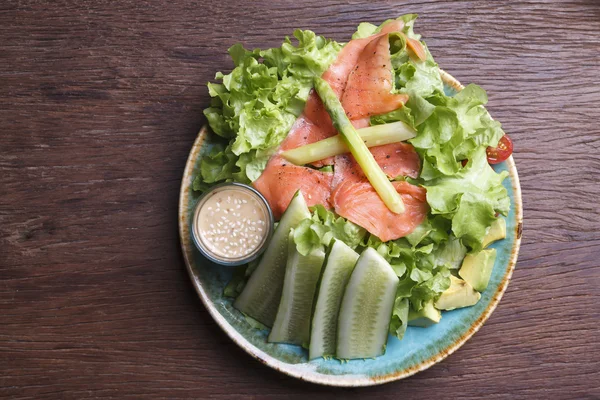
376 135
357 147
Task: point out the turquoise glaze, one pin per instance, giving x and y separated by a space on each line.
420 347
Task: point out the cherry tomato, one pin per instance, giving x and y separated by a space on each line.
498 154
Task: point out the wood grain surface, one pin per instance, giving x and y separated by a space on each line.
100 102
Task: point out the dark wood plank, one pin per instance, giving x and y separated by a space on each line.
99 105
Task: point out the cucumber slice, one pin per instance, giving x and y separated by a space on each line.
366 309
339 266
292 324
261 295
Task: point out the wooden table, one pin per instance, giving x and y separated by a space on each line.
100 102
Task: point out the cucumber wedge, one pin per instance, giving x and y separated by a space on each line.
292 324
366 309
336 274
261 295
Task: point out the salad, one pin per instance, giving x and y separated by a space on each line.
380 182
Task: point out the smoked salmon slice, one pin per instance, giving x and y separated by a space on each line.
397 159
361 76
281 179
338 72
355 199
315 124
369 86
305 131
358 202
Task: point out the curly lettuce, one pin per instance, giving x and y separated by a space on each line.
254 106
322 228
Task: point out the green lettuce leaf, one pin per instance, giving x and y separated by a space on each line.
399 320
470 198
433 230
218 164
450 253
457 127
322 227
430 288
415 77
365 29
256 104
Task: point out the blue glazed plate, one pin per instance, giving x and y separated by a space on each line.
419 349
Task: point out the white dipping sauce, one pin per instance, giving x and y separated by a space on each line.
232 222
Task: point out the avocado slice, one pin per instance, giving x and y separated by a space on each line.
477 268
426 316
459 294
496 231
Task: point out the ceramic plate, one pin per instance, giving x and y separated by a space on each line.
419 349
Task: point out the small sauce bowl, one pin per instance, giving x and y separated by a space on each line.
232 224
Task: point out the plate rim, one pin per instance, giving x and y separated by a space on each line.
307 374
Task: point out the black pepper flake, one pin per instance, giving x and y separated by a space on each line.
388 156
